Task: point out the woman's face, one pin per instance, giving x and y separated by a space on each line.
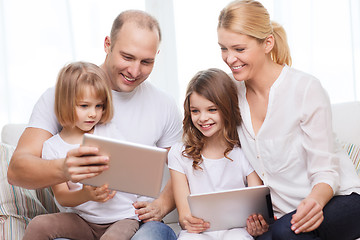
243 54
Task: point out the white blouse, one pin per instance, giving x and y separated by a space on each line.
295 148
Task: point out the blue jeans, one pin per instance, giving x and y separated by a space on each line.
341 221
153 230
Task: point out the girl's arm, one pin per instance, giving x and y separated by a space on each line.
253 179
68 198
256 224
181 191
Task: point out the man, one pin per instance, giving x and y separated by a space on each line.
143 114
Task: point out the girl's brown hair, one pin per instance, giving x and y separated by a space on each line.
70 87
251 18
216 86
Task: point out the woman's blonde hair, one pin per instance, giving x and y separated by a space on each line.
71 83
216 86
251 18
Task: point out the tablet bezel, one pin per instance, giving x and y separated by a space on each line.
133 168
231 208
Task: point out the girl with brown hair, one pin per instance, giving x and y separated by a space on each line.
210 158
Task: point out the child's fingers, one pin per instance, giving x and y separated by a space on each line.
256 225
112 194
195 228
195 225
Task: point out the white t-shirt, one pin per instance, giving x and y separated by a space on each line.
295 149
217 174
115 209
146 115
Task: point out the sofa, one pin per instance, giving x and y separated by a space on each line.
18 205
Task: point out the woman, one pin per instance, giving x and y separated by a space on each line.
287 132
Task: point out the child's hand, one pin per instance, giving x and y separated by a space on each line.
99 194
256 225
194 225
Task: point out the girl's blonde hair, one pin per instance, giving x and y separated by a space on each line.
71 83
251 18
216 86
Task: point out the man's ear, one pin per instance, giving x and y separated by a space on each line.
107 44
269 43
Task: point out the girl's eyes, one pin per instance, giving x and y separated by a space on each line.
86 105
212 110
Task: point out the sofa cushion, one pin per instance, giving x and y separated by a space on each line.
354 153
11 133
18 205
345 118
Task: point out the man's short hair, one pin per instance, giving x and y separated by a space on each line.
140 18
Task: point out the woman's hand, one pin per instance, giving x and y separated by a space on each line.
98 194
193 224
256 225
308 216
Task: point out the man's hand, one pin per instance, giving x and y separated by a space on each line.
82 163
149 211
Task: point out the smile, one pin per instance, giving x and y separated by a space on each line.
237 67
206 125
128 79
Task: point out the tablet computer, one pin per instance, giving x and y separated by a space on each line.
133 168
230 209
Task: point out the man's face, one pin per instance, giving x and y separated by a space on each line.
131 58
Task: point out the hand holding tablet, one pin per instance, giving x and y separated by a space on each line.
133 168
230 209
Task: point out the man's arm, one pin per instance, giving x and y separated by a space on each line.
159 208
27 169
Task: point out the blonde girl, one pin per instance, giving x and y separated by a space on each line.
82 100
